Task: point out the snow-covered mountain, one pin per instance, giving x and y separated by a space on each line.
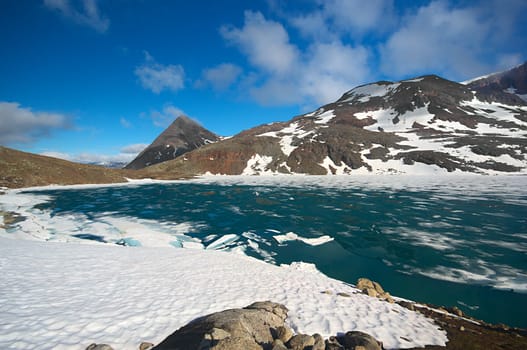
422 125
182 136
512 81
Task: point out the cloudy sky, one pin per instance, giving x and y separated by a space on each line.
95 80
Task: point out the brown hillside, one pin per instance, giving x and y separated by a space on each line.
20 169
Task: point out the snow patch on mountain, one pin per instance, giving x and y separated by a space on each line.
334 169
365 92
287 135
389 120
257 165
325 117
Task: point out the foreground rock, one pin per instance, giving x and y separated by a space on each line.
373 289
253 327
258 326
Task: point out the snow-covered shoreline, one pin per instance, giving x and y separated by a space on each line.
66 296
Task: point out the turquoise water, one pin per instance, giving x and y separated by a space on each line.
454 242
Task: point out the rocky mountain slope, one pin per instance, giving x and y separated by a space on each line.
423 125
21 169
513 81
182 136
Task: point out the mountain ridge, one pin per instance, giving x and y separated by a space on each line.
426 125
423 125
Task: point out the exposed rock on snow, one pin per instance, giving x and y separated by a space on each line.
373 289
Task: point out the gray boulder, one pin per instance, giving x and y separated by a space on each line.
99 347
284 333
319 342
301 342
359 340
278 345
249 328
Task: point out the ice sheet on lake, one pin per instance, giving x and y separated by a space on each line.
291 236
44 225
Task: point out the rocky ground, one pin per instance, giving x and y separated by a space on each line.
466 333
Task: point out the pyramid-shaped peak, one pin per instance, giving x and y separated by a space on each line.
183 135
183 119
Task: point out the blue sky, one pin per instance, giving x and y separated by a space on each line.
92 80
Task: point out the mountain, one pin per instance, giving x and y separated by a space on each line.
422 125
109 164
21 169
513 81
182 136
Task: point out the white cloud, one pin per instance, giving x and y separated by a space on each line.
313 25
436 38
125 123
22 125
88 14
334 19
166 116
134 148
158 77
59 155
286 75
332 69
265 42
221 77
456 42
359 15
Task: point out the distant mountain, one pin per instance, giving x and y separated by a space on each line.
111 165
21 169
422 125
182 136
513 81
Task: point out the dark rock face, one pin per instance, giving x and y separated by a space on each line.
512 82
428 123
182 136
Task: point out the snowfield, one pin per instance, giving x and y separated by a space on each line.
66 296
